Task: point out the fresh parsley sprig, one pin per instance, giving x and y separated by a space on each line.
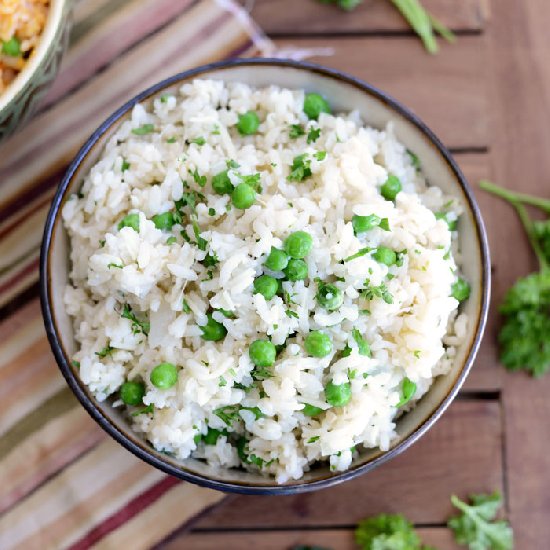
523 337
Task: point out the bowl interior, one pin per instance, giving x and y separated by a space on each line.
344 95
54 20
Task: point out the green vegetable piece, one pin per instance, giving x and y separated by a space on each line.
213 331
381 291
385 224
385 255
132 393
362 344
266 285
130 220
311 410
228 414
296 270
408 389
164 221
318 344
330 297
124 166
277 259
164 376
212 436
300 169
198 141
452 224
387 532
313 135
248 123
298 244
364 223
243 196
415 161
314 105
144 129
222 184
165 97
262 353
423 23
296 130
391 188
476 527
338 395
460 290
12 47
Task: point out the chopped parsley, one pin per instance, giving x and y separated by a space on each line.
137 325
320 155
300 169
198 141
222 382
381 291
313 135
144 410
314 439
199 180
185 306
171 140
118 266
296 130
358 254
107 350
124 166
143 129
362 344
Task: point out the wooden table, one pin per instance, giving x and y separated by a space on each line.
488 98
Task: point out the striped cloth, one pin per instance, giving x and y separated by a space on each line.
65 483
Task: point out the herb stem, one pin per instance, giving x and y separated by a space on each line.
528 225
512 197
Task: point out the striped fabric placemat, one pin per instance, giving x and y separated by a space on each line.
65 483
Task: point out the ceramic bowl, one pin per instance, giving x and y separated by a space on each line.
19 101
344 93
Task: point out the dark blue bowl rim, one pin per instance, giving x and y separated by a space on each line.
141 451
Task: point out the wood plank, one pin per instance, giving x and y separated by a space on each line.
283 17
519 44
341 539
447 91
462 454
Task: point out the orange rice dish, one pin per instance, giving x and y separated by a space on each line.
21 25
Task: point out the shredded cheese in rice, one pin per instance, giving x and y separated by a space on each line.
139 294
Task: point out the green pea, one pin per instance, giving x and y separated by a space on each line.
408 389
243 196
131 220
12 47
266 286
338 395
164 221
132 393
385 255
213 331
262 353
212 436
318 344
248 123
391 188
298 244
222 184
296 270
277 259
330 297
364 223
164 376
314 105
460 290
311 410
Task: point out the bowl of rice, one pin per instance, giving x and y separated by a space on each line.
264 276
33 37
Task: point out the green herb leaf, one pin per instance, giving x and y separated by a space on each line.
296 130
362 344
475 526
300 169
143 129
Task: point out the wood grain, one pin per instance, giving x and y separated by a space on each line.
373 16
462 453
520 111
341 539
447 91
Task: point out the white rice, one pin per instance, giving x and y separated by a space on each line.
112 267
